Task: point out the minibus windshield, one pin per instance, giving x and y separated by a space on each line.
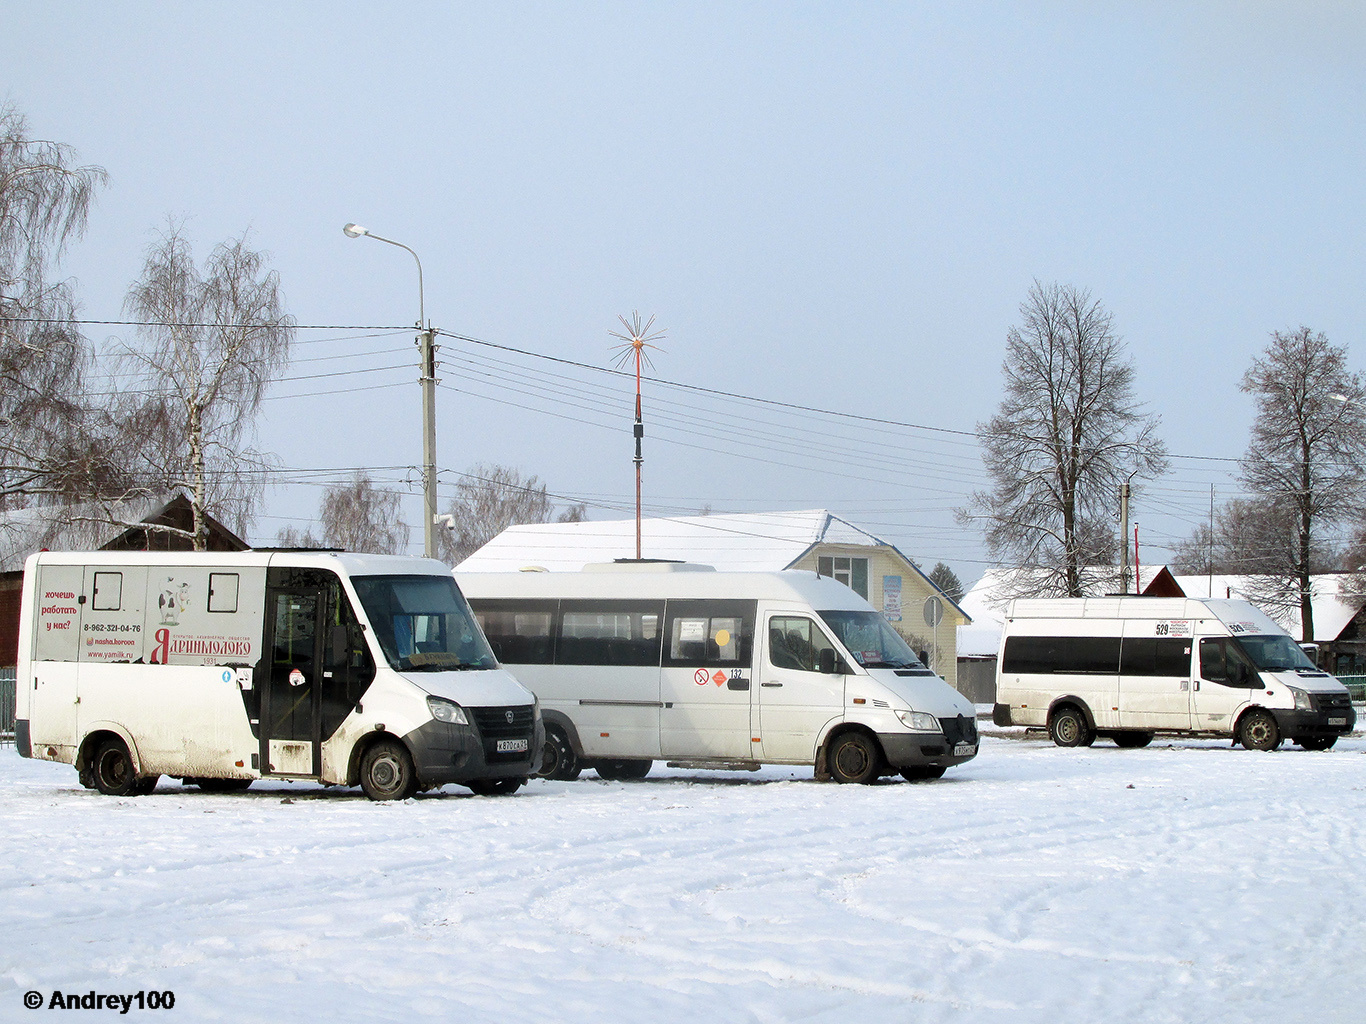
1275 653
423 624
872 642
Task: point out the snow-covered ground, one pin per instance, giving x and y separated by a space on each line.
1184 882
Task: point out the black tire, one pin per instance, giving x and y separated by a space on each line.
558 760
1132 740
1257 730
221 785
922 772
145 785
386 772
617 770
1317 742
113 770
1068 728
854 757
496 787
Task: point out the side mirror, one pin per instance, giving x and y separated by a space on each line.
827 657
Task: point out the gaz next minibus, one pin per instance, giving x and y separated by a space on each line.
639 661
220 669
1129 667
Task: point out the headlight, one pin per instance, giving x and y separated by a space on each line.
1303 702
918 721
536 711
447 711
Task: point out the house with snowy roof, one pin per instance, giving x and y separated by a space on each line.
814 540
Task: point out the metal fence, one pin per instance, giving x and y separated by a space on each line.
6 705
1356 686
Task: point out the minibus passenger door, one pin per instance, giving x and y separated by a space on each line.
1223 685
796 698
294 663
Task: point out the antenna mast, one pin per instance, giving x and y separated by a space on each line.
637 339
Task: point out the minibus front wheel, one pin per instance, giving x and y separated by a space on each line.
1257 730
386 772
854 757
558 760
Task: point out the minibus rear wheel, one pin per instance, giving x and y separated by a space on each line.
386 772
1069 728
922 772
113 769
622 770
495 787
1316 742
1133 739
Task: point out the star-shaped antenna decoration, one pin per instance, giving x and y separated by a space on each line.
637 339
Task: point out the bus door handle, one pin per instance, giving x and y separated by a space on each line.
770 684
1195 684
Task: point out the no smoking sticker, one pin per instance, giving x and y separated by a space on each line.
700 677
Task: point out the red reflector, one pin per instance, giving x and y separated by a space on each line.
240 764
604 734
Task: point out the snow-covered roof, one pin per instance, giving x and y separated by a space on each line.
749 542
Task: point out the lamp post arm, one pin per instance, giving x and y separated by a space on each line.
421 301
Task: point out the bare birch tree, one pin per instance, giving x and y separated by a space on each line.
54 446
212 343
1067 433
489 499
1308 448
358 516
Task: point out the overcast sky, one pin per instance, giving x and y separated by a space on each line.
839 207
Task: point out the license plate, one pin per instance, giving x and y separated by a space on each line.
1337 721
964 749
512 746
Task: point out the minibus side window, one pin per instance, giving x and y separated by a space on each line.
520 632
1155 656
709 633
1066 655
1222 662
796 643
609 633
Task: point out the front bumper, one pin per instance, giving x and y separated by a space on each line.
1321 722
956 743
447 753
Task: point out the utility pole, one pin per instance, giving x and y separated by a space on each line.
425 341
1124 537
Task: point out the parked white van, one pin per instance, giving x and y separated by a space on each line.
220 669
638 661
1129 667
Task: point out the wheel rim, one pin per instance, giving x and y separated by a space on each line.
114 769
851 760
385 774
1259 732
550 759
1067 729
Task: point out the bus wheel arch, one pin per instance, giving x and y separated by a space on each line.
1070 723
852 754
87 764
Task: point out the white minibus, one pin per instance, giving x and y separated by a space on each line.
220 669
1129 667
639 661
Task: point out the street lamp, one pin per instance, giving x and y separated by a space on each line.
428 381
